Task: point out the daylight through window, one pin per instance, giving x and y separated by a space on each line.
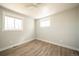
12 23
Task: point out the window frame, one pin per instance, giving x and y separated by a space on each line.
45 19
3 27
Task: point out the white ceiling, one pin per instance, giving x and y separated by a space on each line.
38 10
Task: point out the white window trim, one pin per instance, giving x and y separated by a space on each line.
42 20
3 23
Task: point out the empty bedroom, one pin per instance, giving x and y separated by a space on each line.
39 29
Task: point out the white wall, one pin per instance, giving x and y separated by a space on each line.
63 30
11 38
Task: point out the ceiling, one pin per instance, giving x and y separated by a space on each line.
38 10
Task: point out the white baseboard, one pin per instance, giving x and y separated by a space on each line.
66 46
8 47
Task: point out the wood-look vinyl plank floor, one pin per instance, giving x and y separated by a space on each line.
39 48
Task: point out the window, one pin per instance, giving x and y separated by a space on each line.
12 23
44 23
